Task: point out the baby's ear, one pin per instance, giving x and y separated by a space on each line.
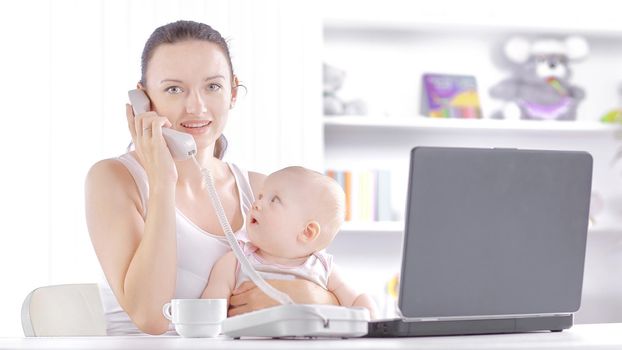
311 232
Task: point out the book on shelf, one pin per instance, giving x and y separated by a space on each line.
368 194
450 96
383 196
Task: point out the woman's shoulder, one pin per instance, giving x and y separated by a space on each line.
110 180
108 172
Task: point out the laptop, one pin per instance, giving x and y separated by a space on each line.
494 242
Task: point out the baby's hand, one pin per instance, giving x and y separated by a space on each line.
367 302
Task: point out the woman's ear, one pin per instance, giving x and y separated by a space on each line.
234 91
311 232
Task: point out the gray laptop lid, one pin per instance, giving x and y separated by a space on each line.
494 232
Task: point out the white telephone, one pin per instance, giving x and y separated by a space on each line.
181 145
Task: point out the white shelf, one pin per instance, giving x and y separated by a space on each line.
393 227
486 15
605 229
492 28
469 124
373 227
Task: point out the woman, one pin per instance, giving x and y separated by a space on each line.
150 218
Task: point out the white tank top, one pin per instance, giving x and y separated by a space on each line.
197 250
316 268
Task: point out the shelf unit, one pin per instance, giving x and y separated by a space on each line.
385 47
414 45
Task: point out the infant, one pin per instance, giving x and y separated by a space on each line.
296 215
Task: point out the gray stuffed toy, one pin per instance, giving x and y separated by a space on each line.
540 87
333 103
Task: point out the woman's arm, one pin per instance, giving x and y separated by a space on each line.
138 256
247 297
221 278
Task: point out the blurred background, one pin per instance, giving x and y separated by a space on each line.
336 86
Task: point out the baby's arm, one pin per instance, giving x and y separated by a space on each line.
222 278
347 296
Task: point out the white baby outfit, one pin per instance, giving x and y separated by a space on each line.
316 268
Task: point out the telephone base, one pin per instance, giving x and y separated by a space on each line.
299 321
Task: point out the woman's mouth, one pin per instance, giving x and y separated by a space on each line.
253 220
196 126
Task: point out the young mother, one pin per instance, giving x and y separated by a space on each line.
150 218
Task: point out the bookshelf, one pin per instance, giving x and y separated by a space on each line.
385 56
385 47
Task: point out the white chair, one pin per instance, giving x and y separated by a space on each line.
63 310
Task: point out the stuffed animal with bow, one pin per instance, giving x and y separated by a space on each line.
540 86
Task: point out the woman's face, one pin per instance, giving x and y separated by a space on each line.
189 83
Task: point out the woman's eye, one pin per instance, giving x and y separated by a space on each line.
174 90
214 87
275 199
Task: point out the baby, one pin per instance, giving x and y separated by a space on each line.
296 215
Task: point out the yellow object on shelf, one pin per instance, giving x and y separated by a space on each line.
393 286
613 116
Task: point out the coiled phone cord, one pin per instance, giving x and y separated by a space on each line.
247 268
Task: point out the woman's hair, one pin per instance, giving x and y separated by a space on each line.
182 31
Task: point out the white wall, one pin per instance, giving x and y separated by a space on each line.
66 66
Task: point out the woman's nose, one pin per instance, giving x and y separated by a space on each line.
256 205
196 104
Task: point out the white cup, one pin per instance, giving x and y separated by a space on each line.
195 318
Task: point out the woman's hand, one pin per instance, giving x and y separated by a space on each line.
247 297
146 130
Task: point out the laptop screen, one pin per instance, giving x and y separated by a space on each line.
494 232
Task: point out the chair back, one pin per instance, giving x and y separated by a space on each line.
64 310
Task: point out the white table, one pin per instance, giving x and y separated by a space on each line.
594 336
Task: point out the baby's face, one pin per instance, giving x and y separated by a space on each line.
280 212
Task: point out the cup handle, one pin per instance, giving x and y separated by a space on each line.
166 310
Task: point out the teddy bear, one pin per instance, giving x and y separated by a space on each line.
333 104
540 87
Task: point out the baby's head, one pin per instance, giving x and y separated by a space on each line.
297 212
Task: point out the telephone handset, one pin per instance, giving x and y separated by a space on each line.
181 145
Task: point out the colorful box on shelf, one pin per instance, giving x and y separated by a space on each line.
450 96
